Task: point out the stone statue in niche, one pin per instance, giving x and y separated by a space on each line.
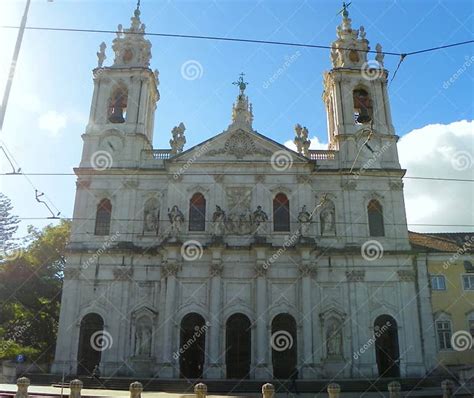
151 217
218 220
143 340
328 220
259 219
334 338
304 219
176 218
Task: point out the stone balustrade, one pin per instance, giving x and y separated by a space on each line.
200 389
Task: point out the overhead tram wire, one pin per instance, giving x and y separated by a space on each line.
142 173
235 39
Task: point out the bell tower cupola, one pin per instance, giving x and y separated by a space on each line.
356 99
125 94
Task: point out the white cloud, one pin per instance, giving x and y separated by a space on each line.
440 151
52 122
315 144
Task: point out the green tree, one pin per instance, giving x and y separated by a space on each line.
30 293
8 226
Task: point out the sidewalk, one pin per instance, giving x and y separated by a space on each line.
90 393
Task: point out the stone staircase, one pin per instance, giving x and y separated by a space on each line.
242 387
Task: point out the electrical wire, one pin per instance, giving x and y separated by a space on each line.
228 174
235 39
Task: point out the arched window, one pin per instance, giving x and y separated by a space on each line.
197 213
281 213
117 111
102 217
362 106
375 215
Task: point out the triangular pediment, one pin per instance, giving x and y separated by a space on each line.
238 144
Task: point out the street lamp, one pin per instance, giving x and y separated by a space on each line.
19 39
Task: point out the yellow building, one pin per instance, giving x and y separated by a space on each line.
449 261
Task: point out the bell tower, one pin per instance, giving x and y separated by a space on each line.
124 100
357 104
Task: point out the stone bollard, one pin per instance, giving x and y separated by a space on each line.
268 390
200 390
394 389
23 383
448 388
75 386
136 389
334 390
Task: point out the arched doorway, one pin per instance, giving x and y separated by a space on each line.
192 346
387 351
283 343
89 353
238 346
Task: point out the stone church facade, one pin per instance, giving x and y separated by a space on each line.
240 258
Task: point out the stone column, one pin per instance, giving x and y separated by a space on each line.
200 390
170 270
334 390
262 341
268 390
306 272
22 383
136 389
447 386
75 386
214 365
394 389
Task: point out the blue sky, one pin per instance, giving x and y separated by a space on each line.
51 94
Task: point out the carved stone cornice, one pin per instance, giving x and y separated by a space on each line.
123 274
261 270
307 270
396 185
130 184
83 184
170 269
406 275
355 276
72 273
349 185
216 269
259 178
219 178
303 179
